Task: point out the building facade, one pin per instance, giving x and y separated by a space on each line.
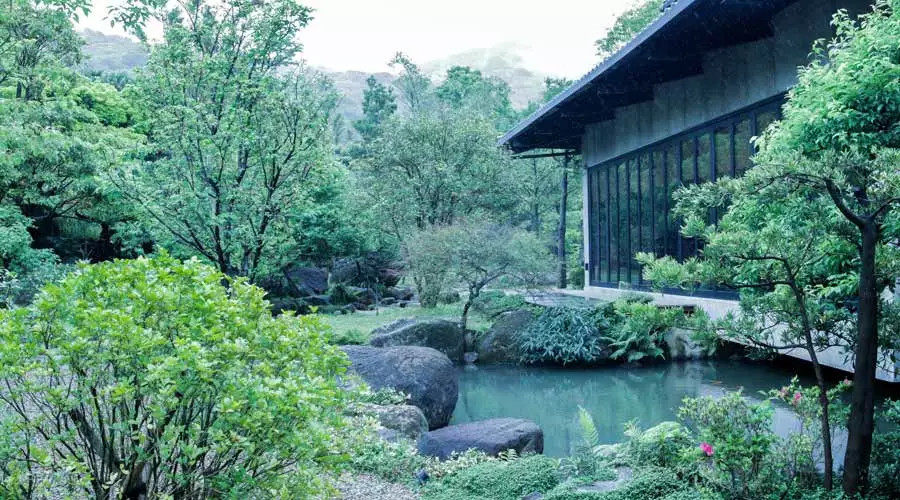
678 105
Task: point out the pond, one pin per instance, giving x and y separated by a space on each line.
613 395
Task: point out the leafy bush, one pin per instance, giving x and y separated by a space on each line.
885 469
737 454
392 461
650 483
497 480
629 329
353 336
493 303
658 446
564 335
587 463
150 375
640 329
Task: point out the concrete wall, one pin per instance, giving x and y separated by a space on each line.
733 78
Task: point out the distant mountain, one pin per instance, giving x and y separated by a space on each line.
111 53
502 61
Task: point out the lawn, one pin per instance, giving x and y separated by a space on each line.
359 324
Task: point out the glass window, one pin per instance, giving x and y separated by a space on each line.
624 225
614 211
673 181
603 222
742 146
634 217
764 119
723 152
660 194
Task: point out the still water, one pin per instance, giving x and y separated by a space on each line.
614 395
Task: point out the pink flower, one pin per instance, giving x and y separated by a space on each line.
846 382
797 397
707 448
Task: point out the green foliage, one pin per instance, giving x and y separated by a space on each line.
151 374
650 483
349 337
639 330
629 329
391 461
493 303
474 255
886 455
497 480
628 25
737 454
587 463
239 166
378 105
658 446
564 335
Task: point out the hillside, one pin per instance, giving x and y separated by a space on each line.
111 53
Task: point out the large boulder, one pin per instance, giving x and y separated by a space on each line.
399 421
307 281
374 268
426 375
499 343
445 336
490 436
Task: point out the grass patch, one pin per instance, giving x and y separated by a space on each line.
363 322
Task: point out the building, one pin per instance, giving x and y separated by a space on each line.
677 105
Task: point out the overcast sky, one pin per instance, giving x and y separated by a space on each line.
554 37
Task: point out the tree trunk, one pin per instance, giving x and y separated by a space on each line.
825 423
561 230
861 423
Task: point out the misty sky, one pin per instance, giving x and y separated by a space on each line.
554 37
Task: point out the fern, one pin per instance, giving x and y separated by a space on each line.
588 429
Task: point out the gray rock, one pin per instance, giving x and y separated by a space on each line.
490 436
443 335
401 421
307 280
374 268
533 496
318 300
470 358
681 346
426 375
400 292
499 343
388 301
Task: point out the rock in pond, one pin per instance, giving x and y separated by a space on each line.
490 436
445 336
498 344
399 421
427 375
681 345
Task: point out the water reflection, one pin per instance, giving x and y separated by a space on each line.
614 395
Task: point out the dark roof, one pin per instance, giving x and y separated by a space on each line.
671 48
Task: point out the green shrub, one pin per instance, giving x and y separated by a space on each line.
629 330
564 335
885 469
639 329
498 480
588 463
647 484
392 461
353 336
151 375
493 303
658 446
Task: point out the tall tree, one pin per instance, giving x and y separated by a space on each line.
629 24
379 103
839 141
235 130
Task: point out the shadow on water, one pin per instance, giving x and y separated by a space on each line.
613 395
